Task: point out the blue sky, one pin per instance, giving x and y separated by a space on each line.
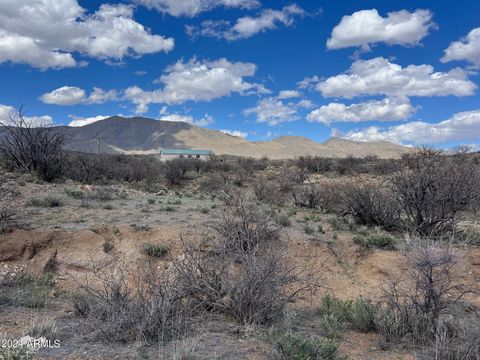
363 70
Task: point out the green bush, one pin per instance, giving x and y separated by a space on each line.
48 201
283 220
73 193
333 325
468 235
363 315
15 353
155 250
377 240
28 290
338 315
308 230
294 347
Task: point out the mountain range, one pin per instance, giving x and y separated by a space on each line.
139 135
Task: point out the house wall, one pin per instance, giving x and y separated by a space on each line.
171 157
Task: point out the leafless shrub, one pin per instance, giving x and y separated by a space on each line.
32 149
314 164
103 168
457 339
242 227
433 189
241 272
307 195
413 310
243 170
269 191
119 311
372 205
8 216
176 171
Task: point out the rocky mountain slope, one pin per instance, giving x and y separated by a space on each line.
145 136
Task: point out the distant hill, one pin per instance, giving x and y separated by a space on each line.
141 135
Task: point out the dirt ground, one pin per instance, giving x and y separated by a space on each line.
75 233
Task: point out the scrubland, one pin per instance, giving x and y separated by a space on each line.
313 258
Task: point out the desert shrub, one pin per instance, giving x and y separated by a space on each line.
271 191
372 205
102 193
28 148
283 220
8 219
8 216
363 315
307 229
243 227
176 171
216 182
333 326
47 201
108 246
348 165
16 353
103 168
151 311
457 339
75 194
294 347
377 240
243 170
47 329
412 312
314 164
154 250
468 235
338 315
307 195
24 289
433 189
239 269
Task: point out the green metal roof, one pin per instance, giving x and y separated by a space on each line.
185 152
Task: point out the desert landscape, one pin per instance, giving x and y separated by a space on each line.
286 249
239 180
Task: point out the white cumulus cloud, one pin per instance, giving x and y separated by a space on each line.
463 126
467 49
205 121
388 109
237 133
366 27
247 26
82 121
288 94
273 111
192 8
48 33
197 80
72 95
378 76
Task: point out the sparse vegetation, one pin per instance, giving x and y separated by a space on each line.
155 250
24 289
272 231
48 202
294 347
379 240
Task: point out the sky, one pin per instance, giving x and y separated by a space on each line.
402 71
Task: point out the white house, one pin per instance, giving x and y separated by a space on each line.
170 154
